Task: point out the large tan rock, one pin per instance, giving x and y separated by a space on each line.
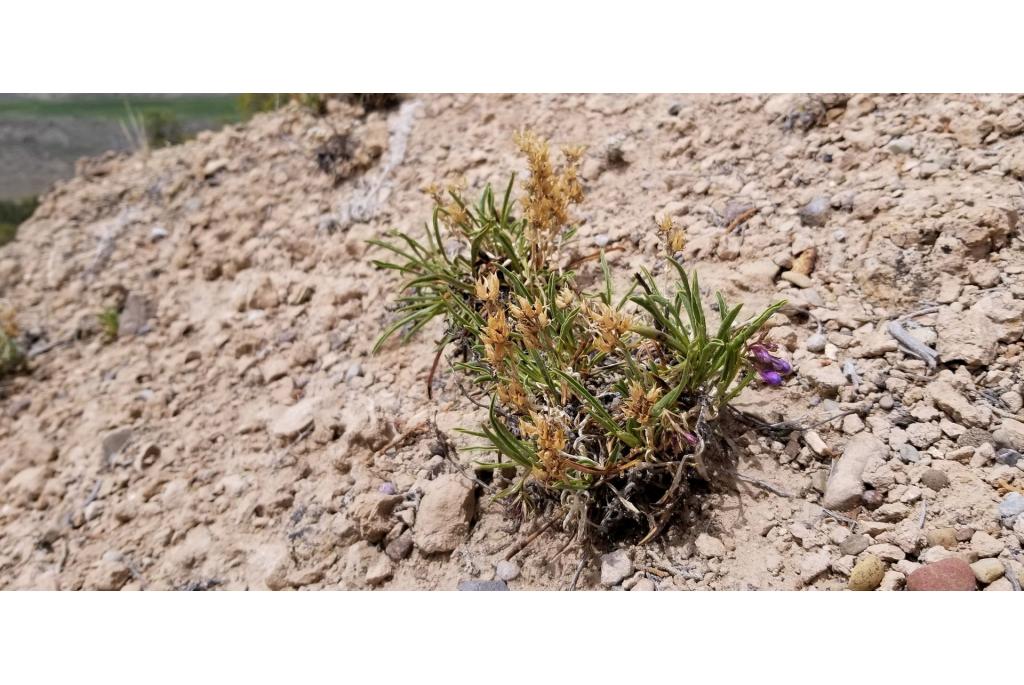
445 512
844 488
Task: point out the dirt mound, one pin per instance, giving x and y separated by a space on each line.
238 433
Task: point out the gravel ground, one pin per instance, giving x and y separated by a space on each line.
239 434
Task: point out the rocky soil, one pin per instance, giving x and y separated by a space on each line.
239 434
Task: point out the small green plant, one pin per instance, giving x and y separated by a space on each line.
607 405
110 322
12 358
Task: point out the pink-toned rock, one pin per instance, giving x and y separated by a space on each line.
948 574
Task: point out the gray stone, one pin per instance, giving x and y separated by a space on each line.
901 146
815 212
816 343
1011 507
507 570
114 442
134 318
909 454
973 437
615 567
482 586
1008 456
400 547
854 545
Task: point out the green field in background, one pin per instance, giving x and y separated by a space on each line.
220 108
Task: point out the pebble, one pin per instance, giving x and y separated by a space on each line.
887 552
815 212
1010 508
845 487
934 479
872 499
867 574
114 442
644 585
371 512
854 545
901 146
615 567
923 435
891 581
293 420
814 565
950 574
1007 456
447 507
909 454
1013 401
400 547
986 545
796 278
482 586
942 537
824 375
852 424
354 370
816 343
708 546
988 570
506 570
818 445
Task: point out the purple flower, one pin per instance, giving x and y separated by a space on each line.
770 368
761 354
387 489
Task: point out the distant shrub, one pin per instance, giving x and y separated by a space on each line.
163 128
12 214
372 102
255 103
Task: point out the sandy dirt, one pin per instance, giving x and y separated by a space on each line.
236 434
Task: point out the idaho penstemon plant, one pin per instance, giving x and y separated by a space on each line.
608 406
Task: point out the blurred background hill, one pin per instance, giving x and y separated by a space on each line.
43 135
